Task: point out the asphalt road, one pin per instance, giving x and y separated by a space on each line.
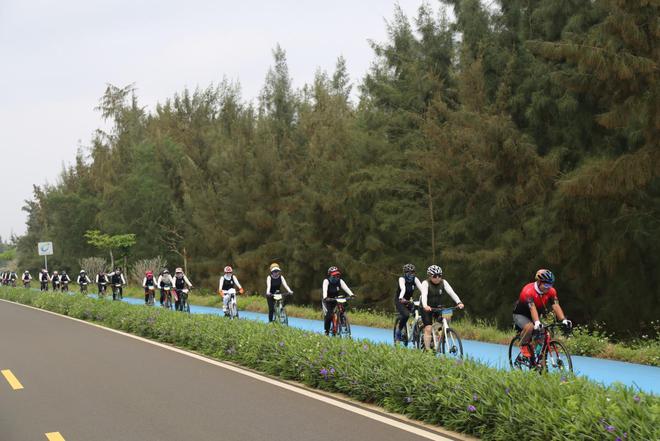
90 384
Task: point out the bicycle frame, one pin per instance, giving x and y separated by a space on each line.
280 312
337 315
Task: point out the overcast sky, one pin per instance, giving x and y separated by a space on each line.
57 57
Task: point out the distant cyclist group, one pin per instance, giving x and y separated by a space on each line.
428 330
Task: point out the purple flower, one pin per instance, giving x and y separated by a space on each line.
625 435
610 428
563 379
507 391
637 398
365 347
471 408
324 372
332 370
281 344
618 438
408 400
475 397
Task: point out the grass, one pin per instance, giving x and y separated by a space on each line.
593 342
459 395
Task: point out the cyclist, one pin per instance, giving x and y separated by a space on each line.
228 281
101 281
12 278
403 299
44 278
147 283
55 280
532 303
332 284
117 278
82 279
180 283
64 280
27 278
432 289
274 282
165 279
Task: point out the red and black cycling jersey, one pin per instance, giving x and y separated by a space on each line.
530 294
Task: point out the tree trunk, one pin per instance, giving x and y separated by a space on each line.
112 261
428 181
185 261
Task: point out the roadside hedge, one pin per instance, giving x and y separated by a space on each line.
464 396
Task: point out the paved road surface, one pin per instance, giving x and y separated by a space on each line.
91 384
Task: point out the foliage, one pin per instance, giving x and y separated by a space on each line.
512 136
121 242
93 265
139 268
459 395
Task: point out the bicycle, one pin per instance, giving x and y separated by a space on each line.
116 292
410 333
26 284
280 315
150 297
232 306
83 288
64 286
167 293
103 286
446 340
44 286
56 286
182 295
340 324
548 354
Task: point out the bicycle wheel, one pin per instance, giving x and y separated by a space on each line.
234 310
516 359
452 345
284 319
557 358
418 335
344 326
396 327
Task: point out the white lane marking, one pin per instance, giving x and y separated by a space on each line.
307 393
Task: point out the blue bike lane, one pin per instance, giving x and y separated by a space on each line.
606 372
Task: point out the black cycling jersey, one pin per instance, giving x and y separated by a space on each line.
179 283
434 298
333 287
410 288
275 284
227 284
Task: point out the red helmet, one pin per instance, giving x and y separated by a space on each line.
149 273
228 269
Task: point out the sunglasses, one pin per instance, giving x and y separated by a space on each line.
435 276
546 285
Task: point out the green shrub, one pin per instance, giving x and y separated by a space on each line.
460 395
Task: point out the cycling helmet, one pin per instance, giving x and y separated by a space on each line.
228 269
26 272
166 271
274 267
334 271
63 271
149 273
54 272
82 271
408 268
545 276
434 270
178 270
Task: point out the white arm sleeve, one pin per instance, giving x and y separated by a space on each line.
402 287
284 284
236 283
144 282
425 293
268 285
123 281
325 288
451 292
185 279
418 284
345 287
